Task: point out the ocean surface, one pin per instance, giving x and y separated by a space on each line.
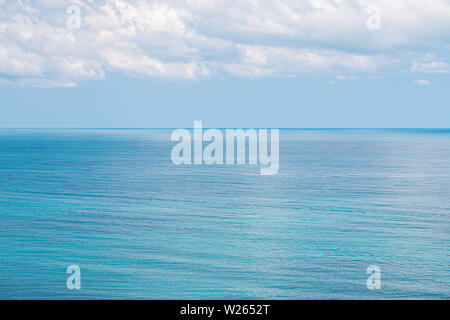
140 227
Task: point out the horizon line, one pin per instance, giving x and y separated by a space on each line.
223 128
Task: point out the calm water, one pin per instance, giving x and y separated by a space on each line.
138 226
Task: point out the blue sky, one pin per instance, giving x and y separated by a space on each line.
280 63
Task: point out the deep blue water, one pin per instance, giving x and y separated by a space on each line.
112 202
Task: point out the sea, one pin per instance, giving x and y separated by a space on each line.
111 202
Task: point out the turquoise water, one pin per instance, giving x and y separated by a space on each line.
111 202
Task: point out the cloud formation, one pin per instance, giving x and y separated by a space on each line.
422 83
198 39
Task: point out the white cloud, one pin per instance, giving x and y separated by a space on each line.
430 64
422 83
15 62
196 39
264 60
341 77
